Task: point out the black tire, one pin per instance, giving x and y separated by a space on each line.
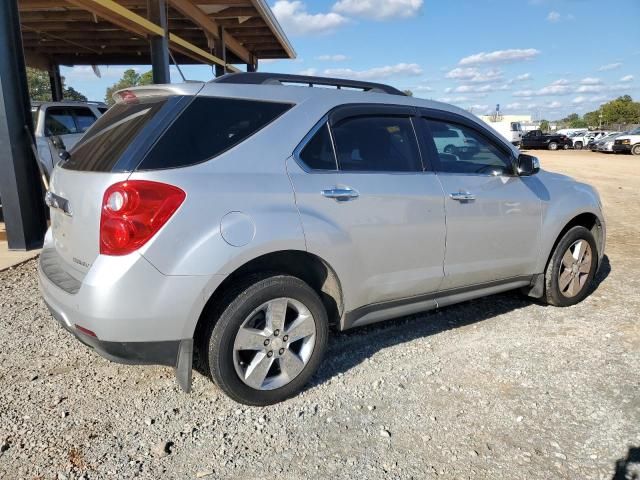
553 294
577 146
636 149
240 303
553 146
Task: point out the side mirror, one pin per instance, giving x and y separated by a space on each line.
528 165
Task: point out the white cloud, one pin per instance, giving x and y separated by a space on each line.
610 66
309 71
554 89
422 88
553 16
479 107
476 88
523 77
513 106
627 78
457 99
590 89
560 81
555 105
377 73
591 81
500 56
578 100
332 58
295 19
379 9
472 74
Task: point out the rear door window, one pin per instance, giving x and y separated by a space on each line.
318 152
377 144
84 118
59 121
208 127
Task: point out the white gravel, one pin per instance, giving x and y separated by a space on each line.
494 388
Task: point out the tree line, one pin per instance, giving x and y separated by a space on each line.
617 113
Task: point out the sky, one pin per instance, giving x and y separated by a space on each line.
546 58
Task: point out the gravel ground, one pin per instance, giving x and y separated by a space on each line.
495 388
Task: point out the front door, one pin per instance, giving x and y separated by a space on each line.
493 215
373 213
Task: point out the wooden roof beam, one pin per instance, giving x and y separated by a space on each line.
191 11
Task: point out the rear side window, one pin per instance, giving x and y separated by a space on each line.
318 152
377 144
103 145
208 127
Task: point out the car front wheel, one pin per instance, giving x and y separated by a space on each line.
636 149
577 145
268 341
571 268
553 146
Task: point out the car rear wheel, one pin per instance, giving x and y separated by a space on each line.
636 149
268 341
553 146
571 269
577 145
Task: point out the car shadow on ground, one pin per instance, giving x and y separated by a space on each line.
628 468
348 349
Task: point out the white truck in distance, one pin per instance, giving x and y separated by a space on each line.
511 131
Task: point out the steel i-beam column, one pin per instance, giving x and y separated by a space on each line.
157 13
20 184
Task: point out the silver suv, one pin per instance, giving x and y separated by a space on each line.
241 218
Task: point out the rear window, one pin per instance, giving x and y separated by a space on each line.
208 127
105 142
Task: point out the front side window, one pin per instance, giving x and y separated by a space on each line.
376 144
470 152
59 121
318 152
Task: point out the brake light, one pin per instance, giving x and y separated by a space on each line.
133 212
126 96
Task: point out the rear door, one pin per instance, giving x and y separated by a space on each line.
367 205
492 215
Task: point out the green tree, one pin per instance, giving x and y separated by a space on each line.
408 93
40 87
622 110
573 121
544 125
130 78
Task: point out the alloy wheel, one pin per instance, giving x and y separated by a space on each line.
274 344
575 268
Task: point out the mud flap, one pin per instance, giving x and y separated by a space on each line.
183 370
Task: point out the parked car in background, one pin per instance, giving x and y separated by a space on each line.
605 144
628 143
242 217
551 141
582 140
511 131
67 121
571 131
453 141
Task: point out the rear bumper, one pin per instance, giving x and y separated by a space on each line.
137 314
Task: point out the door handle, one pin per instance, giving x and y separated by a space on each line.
340 194
462 196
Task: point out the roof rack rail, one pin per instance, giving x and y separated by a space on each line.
263 78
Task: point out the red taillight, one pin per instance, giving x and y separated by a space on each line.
127 96
132 213
86 331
